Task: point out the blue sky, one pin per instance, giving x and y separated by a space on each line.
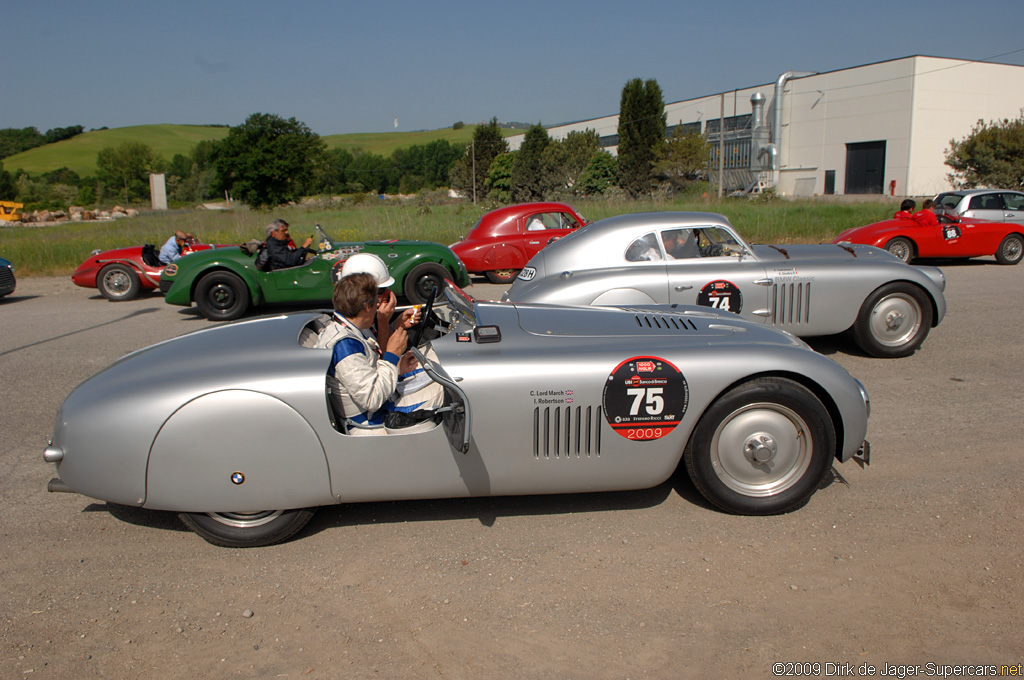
344 67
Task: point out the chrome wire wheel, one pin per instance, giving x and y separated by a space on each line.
901 248
761 449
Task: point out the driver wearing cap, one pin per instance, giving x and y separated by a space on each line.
373 382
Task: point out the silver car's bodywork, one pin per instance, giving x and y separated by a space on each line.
809 290
536 406
997 205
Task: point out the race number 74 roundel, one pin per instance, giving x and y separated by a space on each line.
645 398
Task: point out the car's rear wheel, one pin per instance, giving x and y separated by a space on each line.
893 321
117 282
1011 249
247 529
762 448
502 275
422 279
902 248
222 296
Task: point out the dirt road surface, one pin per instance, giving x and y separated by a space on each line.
917 560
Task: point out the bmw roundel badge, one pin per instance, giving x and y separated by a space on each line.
237 478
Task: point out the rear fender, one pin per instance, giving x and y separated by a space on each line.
236 451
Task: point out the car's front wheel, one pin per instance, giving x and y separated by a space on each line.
902 248
502 276
893 321
763 448
117 282
247 529
423 279
1011 249
222 296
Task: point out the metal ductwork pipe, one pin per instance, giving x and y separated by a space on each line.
780 85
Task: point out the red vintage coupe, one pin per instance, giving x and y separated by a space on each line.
504 240
950 238
122 273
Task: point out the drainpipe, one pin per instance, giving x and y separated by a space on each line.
780 85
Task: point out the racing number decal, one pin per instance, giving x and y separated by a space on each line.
950 233
723 295
645 398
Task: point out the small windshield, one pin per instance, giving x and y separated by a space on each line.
461 304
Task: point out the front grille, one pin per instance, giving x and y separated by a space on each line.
6 277
566 432
791 304
668 323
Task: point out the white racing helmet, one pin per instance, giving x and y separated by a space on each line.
368 263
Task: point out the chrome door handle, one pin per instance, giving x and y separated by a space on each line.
682 288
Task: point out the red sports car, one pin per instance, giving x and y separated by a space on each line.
952 238
504 240
122 273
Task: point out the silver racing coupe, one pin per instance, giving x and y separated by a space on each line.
245 441
687 258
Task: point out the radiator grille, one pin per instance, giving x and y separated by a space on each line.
791 304
6 277
566 432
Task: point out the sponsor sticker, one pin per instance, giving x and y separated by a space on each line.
721 294
645 398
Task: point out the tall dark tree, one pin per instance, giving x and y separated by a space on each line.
641 134
469 174
992 155
268 160
531 171
8 190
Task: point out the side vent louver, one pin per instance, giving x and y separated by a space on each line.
566 432
667 323
791 304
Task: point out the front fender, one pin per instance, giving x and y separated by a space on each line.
182 291
236 451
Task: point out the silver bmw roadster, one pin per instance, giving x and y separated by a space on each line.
687 258
245 441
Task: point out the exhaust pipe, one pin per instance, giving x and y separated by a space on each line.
57 485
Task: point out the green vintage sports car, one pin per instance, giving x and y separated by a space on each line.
224 282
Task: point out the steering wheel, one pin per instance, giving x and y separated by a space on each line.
421 327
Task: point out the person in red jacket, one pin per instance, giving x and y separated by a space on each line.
906 209
926 216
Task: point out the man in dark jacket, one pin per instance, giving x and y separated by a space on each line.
282 250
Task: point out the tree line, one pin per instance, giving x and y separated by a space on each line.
269 160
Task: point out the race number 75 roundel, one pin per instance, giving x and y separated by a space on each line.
645 398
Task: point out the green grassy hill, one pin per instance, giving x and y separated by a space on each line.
79 153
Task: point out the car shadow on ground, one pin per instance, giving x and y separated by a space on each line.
835 344
486 510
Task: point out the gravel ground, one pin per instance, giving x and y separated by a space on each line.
916 560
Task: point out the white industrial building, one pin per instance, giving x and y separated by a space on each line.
881 128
